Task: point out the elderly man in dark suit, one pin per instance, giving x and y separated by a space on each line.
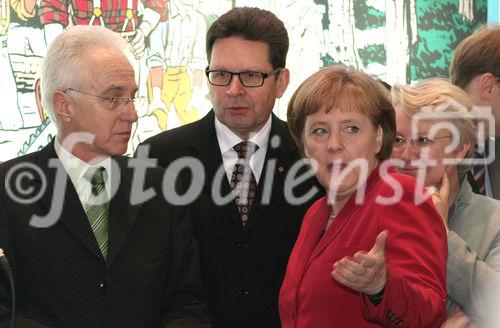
252 195
87 249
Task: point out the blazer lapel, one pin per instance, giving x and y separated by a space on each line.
343 217
72 215
309 243
334 230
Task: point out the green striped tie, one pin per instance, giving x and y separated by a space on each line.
97 209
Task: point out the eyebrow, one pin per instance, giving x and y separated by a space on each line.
119 88
350 121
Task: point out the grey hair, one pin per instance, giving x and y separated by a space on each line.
65 57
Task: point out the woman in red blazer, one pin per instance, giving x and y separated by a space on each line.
373 251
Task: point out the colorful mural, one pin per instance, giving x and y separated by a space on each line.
394 40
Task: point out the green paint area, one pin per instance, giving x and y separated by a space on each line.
440 29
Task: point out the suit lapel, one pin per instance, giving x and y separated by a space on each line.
122 214
211 157
72 215
276 165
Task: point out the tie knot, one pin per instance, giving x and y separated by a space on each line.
245 149
96 178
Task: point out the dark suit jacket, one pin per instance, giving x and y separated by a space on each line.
242 267
151 275
494 172
494 169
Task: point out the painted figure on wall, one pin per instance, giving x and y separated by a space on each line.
177 64
23 10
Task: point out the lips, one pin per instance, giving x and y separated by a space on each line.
409 170
237 109
336 166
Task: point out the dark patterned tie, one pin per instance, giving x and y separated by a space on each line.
477 173
97 209
243 181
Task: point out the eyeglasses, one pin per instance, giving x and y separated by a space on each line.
419 141
114 102
248 79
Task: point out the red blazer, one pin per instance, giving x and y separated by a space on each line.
416 252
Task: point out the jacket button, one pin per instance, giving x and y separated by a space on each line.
242 292
102 286
243 244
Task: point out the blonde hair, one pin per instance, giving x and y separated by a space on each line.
436 96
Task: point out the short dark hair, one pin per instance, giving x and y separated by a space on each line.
252 24
346 89
477 54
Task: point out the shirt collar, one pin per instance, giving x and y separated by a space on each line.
228 139
75 167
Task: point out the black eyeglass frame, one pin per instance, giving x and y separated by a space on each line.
264 75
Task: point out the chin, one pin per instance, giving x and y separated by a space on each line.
118 150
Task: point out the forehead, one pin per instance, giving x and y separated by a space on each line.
407 125
337 115
109 68
236 54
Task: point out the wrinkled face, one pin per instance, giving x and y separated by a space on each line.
425 157
109 74
244 109
336 139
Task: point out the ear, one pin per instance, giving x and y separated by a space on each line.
62 107
487 84
283 81
38 100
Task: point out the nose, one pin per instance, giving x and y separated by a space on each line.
129 112
334 142
406 152
235 88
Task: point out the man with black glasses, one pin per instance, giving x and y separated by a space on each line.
247 154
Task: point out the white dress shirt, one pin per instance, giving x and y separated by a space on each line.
76 169
228 139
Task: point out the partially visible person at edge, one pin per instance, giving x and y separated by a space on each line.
101 261
475 67
472 221
244 247
360 263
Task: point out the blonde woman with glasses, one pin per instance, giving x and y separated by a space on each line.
436 133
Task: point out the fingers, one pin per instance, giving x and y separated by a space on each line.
348 265
365 259
364 272
457 320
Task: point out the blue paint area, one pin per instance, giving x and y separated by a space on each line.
493 11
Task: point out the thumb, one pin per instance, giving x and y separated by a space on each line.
379 246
